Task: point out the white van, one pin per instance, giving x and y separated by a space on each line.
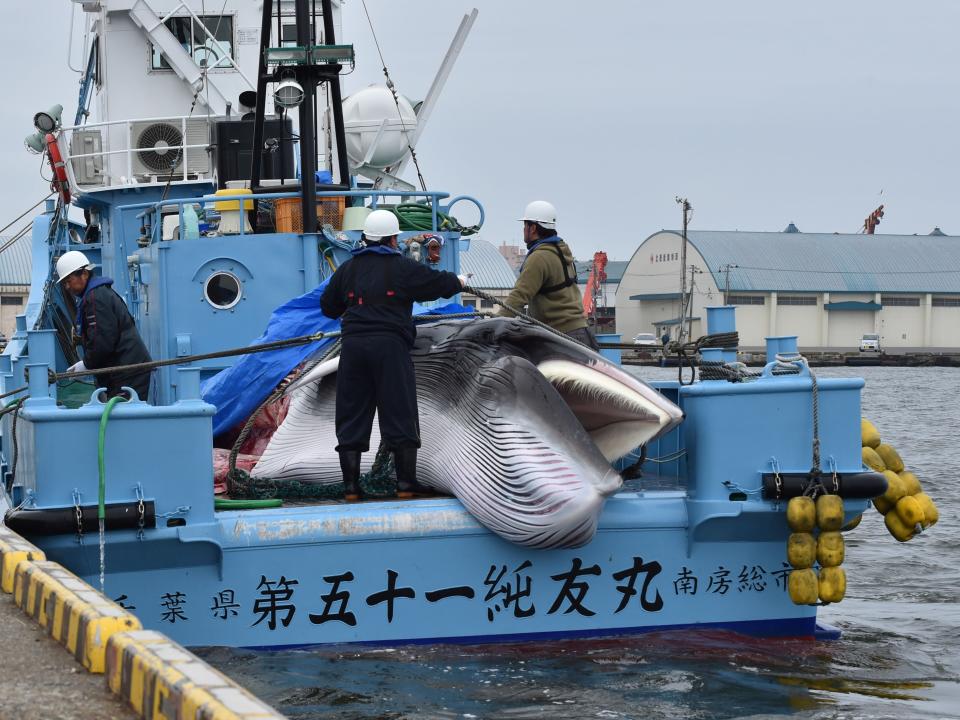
870 343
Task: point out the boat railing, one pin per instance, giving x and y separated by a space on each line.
151 213
139 151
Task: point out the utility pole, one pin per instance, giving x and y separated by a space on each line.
726 283
687 207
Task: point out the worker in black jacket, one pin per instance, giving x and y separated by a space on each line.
105 328
374 292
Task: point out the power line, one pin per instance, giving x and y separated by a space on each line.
24 213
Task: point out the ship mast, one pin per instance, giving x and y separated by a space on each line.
308 64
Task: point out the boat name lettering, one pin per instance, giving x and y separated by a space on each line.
505 590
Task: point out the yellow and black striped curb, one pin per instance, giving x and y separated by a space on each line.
13 550
72 612
161 679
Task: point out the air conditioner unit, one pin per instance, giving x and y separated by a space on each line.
87 170
160 149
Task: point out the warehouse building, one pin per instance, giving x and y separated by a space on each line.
828 289
15 263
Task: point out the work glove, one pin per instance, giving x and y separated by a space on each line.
77 367
463 280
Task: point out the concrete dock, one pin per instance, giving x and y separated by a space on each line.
39 680
67 652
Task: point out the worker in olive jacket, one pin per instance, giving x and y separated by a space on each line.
548 277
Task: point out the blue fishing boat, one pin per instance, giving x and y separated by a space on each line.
669 499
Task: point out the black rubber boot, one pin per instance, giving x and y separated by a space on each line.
405 461
350 467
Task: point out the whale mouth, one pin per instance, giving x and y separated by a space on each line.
617 411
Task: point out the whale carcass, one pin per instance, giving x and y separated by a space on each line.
517 422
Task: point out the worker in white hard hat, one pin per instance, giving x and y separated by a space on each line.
373 293
547 284
104 327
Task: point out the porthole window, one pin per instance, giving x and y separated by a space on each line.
222 290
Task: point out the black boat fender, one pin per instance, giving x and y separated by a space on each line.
852 486
63 520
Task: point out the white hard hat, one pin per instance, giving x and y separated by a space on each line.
542 213
70 262
380 224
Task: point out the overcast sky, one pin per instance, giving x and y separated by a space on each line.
760 113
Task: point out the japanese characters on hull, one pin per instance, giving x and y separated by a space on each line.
628 587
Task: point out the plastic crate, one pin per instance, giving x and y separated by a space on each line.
288 218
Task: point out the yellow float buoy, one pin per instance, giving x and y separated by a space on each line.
930 512
801 514
897 527
882 506
890 457
832 584
911 484
872 460
830 549
895 487
830 512
803 586
801 550
909 511
869 435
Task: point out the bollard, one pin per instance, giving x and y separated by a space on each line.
782 345
722 319
38 386
188 384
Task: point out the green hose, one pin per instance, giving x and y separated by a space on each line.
416 216
101 465
223 504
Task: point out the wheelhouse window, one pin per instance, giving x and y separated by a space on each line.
209 41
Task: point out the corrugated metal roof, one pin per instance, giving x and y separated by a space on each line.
489 268
822 262
15 261
615 270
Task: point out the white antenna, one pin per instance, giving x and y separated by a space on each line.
436 87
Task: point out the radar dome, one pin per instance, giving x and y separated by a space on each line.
364 114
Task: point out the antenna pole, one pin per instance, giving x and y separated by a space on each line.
336 101
685 204
262 78
308 143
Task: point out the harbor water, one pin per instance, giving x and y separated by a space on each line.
898 657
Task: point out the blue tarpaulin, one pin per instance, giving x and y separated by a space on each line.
238 390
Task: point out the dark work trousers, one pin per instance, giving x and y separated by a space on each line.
586 336
376 375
